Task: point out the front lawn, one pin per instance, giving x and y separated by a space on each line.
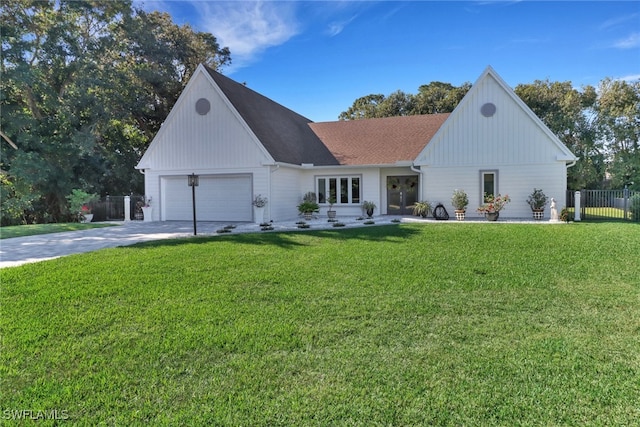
35 229
422 324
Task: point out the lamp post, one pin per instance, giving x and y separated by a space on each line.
193 181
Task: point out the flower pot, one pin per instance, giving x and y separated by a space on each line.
87 217
492 216
538 214
258 214
308 216
460 215
331 214
370 212
146 212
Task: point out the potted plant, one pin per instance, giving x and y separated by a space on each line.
259 202
331 200
80 204
459 200
307 209
493 205
86 213
537 200
308 205
422 208
147 209
368 207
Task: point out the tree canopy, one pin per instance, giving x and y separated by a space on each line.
85 87
432 98
600 126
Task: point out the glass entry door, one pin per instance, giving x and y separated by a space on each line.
402 194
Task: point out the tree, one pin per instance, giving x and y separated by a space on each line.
568 113
436 97
618 117
366 107
85 87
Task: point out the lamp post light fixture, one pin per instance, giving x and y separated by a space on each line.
193 180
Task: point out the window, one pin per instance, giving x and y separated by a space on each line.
488 183
345 189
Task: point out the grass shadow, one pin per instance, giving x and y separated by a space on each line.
294 238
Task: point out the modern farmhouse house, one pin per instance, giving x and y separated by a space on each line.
242 144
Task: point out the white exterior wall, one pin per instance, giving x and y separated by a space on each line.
512 141
285 193
218 143
217 140
517 181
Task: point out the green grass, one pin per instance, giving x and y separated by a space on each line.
439 324
35 229
603 214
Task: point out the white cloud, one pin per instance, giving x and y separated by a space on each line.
336 27
630 42
615 22
630 78
248 28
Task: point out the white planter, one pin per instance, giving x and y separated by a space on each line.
538 214
258 214
87 217
147 211
460 215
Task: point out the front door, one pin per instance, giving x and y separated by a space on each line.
402 194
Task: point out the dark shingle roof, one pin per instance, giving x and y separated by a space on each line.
285 134
292 138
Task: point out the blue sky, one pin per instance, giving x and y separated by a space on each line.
317 57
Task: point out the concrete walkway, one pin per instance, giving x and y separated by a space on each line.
23 250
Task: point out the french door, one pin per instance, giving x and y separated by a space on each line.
402 194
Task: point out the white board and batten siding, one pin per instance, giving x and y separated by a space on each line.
218 146
511 141
285 193
517 181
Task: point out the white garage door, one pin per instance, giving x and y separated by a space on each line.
218 198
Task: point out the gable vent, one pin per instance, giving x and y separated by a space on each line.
203 106
488 109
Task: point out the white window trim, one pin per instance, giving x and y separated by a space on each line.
349 189
484 172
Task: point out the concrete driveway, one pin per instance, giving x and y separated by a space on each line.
22 250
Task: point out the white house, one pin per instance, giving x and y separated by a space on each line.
242 144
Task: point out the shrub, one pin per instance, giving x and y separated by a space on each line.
459 200
566 215
80 202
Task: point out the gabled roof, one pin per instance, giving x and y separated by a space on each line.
381 141
285 134
566 154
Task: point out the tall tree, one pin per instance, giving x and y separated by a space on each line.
366 107
568 112
86 85
438 97
618 113
435 97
